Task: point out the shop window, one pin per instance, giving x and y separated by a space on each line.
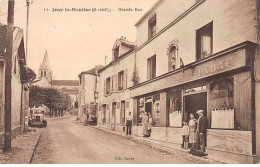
156 110
172 57
222 104
175 112
204 41
195 89
120 80
140 110
151 67
152 27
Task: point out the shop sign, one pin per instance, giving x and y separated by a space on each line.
209 68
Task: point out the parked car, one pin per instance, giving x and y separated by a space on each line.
37 118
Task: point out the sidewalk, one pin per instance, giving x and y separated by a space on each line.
165 147
22 148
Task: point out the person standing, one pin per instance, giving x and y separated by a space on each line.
129 120
193 127
201 130
150 124
185 135
145 123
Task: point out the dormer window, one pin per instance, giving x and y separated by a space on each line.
116 53
152 27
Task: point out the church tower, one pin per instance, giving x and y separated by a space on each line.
45 71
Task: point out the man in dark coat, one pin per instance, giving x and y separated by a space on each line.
201 130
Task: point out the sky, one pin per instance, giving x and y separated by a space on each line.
75 41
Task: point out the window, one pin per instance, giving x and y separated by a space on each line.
172 58
156 110
151 67
116 53
44 73
121 80
152 27
175 112
222 104
108 86
204 41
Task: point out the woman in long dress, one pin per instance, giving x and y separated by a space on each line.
145 123
193 127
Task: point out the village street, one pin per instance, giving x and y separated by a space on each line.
65 141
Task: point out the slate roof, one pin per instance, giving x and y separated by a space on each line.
65 82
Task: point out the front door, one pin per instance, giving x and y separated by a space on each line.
193 103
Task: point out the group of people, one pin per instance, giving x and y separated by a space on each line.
147 123
194 132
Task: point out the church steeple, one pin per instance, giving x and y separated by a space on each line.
45 71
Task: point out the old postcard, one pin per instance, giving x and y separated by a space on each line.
129 82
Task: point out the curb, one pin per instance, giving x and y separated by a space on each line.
36 145
159 147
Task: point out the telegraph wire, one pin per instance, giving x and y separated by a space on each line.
14 10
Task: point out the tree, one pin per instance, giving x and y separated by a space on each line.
37 96
55 100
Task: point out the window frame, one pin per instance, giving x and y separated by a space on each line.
152 27
199 45
121 80
151 67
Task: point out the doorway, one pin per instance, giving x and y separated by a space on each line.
193 103
148 107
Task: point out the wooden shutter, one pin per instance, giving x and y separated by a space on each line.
113 85
116 82
125 80
110 85
104 87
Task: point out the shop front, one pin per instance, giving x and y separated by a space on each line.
221 85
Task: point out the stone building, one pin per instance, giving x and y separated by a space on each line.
21 77
87 92
189 55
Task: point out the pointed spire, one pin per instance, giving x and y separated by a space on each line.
45 63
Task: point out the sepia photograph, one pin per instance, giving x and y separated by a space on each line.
129 82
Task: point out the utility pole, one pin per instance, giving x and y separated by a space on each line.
8 76
27 25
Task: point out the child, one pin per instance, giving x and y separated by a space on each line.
185 135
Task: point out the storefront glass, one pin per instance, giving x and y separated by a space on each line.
222 104
175 112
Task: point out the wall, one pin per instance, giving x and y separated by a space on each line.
238 14
126 63
16 99
89 88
